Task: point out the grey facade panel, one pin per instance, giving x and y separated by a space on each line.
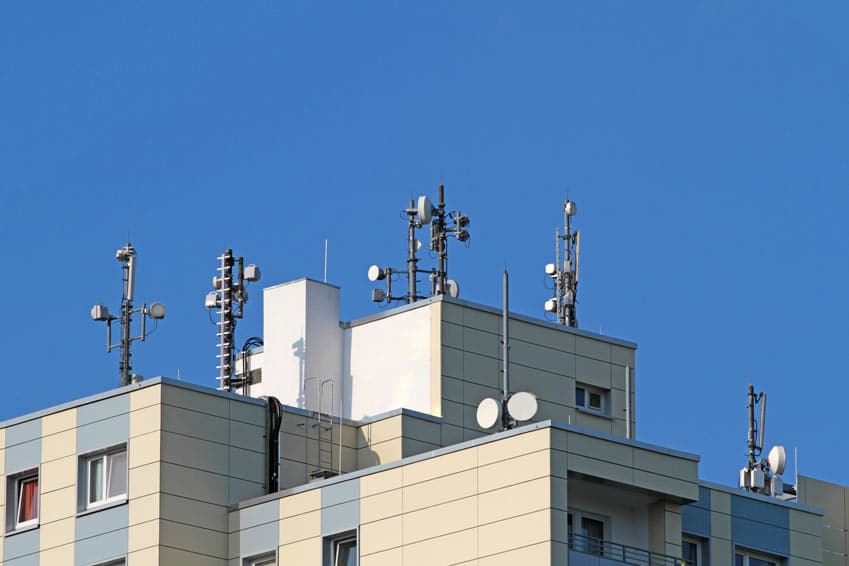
103 432
101 548
103 409
23 456
257 515
23 545
29 560
24 432
760 511
760 536
340 493
102 522
340 518
259 539
695 517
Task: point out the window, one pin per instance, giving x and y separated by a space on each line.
105 476
341 550
590 538
694 551
24 490
592 398
267 559
746 558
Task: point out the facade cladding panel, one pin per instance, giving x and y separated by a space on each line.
417 488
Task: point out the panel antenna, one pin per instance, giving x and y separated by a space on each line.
565 275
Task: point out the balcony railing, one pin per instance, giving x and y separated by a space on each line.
621 553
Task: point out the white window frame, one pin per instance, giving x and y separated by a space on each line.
334 543
105 456
603 394
578 515
17 483
700 554
749 554
261 559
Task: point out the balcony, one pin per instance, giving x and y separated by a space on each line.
589 551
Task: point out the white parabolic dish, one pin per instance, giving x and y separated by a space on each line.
777 460
522 406
489 411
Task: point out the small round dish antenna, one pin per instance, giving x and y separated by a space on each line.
375 273
424 209
777 460
522 406
452 288
489 412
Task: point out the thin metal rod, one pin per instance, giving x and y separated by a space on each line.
325 260
762 423
505 355
628 402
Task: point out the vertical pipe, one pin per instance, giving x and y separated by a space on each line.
325 260
762 423
505 352
628 402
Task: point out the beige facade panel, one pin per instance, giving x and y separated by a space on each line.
540 553
145 397
381 453
300 527
302 552
379 431
143 536
392 557
514 446
518 499
143 480
58 422
144 449
56 533
380 536
432 468
516 470
381 506
515 532
56 555
440 490
58 504
145 420
443 551
57 474
145 557
144 509
381 482
440 520
300 503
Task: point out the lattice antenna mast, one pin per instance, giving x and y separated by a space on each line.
156 311
443 224
565 275
229 298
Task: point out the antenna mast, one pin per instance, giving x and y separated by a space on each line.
100 313
443 224
565 275
229 297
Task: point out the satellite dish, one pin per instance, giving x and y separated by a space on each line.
452 288
522 406
424 209
777 460
375 273
489 412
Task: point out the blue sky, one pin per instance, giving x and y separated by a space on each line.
706 144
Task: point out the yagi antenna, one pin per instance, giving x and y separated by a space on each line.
156 311
229 298
443 224
565 275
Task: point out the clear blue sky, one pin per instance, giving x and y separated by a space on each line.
705 142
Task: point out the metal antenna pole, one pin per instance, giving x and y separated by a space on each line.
226 321
558 280
752 399
441 243
505 353
127 255
412 260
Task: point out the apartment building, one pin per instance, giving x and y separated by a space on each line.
376 458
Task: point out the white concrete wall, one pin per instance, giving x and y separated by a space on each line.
388 364
303 345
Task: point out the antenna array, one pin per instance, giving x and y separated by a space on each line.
229 298
565 276
443 224
761 475
100 313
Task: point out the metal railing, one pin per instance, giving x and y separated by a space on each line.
620 552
